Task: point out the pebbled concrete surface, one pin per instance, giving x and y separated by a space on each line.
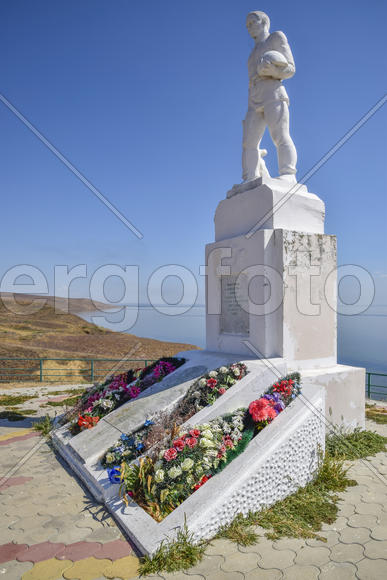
53 529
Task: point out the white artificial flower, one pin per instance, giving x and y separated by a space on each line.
187 464
236 371
110 457
211 453
190 480
202 382
223 370
159 476
207 434
199 470
213 374
206 443
174 472
236 435
196 395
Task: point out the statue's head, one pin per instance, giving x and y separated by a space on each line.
258 24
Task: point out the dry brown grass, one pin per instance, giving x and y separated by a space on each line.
50 334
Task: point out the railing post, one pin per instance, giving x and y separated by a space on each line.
369 385
92 370
41 369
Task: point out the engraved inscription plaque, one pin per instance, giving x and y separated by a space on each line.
233 318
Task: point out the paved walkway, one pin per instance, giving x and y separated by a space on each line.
52 529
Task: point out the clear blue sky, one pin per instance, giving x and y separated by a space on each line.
146 99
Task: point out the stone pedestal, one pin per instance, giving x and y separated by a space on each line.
272 205
271 288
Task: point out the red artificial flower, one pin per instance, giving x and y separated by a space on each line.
179 444
228 441
261 410
170 454
194 432
87 422
191 442
222 451
222 390
212 383
203 480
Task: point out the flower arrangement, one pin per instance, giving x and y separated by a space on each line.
127 448
192 458
203 392
100 400
211 386
160 483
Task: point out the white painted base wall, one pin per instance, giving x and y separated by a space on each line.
280 459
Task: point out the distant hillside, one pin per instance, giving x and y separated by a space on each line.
51 334
72 305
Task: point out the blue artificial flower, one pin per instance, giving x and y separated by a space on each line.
124 437
140 446
148 422
114 474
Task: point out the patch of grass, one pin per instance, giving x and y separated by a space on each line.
12 415
22 411
377 414
69 402
65 392
355 445
44 426
299 515
239 531
12 400
174 556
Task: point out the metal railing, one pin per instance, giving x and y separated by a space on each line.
376 390
87 370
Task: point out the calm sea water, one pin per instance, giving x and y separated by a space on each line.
362 339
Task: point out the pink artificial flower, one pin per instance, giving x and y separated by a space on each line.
194 432
134 392
179 444
170 454
212 383
221 391
191 442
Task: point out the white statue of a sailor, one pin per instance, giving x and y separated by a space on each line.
270 62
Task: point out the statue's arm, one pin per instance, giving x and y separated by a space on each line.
284 48
279 43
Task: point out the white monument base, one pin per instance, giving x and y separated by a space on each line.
344 394
271 289
281 458
272 205
83 451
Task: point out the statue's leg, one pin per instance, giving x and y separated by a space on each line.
253 129
276 115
